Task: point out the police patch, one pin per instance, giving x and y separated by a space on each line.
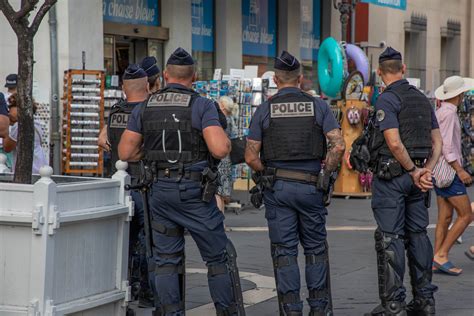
119 120
169 99
292 109
380 115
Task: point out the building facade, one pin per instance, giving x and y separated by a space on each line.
436 37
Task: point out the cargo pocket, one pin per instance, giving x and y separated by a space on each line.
388 215
187 193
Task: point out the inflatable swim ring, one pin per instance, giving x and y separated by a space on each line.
355 53
331 67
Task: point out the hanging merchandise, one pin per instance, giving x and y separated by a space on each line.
83 118
353 115
361 61
353 87
332 66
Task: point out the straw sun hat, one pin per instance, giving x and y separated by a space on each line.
454 86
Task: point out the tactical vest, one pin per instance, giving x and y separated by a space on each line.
118 119
414 123
293 133
168 136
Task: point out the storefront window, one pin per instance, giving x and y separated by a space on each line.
259 25
155 48
310 39
203 50
109 48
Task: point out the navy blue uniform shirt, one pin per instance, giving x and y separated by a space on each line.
391 105
204 114
3 105
261 121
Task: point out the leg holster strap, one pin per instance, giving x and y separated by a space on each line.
290 298
217 269
169 269
313 259
318 294
284 261
170 232
226 311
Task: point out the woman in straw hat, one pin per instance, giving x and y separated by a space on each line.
454 196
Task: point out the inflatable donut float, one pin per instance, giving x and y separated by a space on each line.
355 53
332 67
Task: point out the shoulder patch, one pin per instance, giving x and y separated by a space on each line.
380 115
291 109
169 99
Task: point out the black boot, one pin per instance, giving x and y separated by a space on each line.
421 306
318 312
392 309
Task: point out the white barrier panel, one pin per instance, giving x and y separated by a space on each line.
64 245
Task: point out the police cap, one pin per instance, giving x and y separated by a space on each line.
134 71
389 54
149 65
286 62
180 57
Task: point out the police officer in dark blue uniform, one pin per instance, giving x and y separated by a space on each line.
406 144
149 64
182 137
286 145
135 87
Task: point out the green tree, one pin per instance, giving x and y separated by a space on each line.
25 23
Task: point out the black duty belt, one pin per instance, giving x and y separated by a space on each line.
176 174
293 175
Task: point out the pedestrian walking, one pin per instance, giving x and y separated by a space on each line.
40 159
4 125
135 87
451 193
406 145
224 189
285 147
181 137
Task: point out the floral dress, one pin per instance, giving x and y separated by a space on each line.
225 166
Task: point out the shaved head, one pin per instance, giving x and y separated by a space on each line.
287 77
136 89
180 72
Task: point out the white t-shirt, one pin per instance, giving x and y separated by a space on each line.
39 157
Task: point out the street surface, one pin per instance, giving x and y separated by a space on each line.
353 265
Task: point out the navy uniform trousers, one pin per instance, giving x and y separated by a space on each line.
402 218
295 213
178 205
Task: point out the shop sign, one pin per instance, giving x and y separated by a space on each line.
143 12
259 27
202 15
310 29
396 4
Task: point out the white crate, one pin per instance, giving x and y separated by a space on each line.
64 246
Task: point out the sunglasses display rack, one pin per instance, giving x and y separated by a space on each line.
83 118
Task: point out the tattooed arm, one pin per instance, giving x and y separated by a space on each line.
336 149
252 155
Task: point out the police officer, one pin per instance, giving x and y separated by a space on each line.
407 144
149 64
135 87
289 132
181 137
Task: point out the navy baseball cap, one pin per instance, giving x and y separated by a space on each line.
11 81
149 65
389 54
286 62
180 57
134 71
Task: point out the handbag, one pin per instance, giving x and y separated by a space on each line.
237 154
443 173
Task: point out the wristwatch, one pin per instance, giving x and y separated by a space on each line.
412 169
